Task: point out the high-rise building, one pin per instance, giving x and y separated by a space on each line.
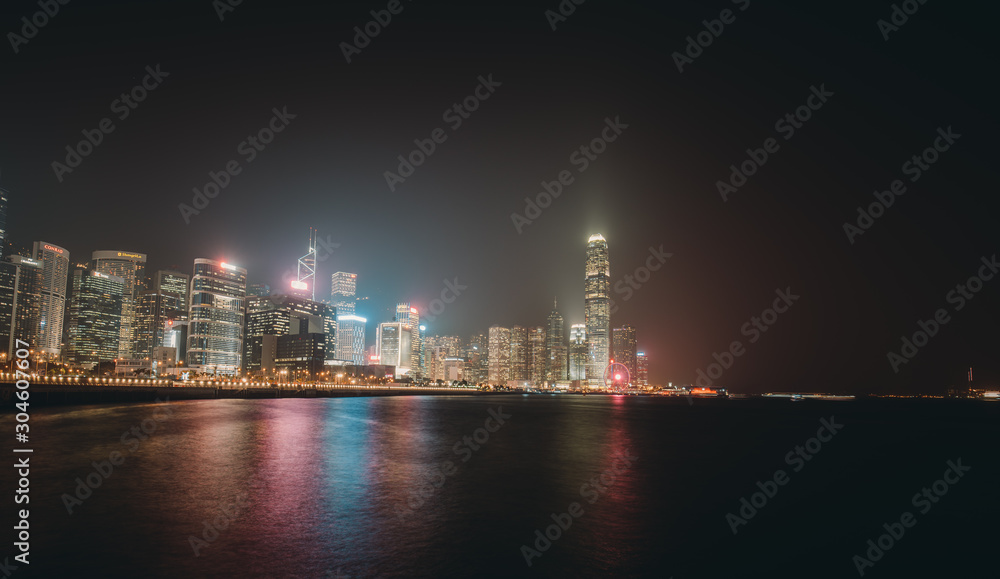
8 283
27 302
301 356
642 369
158 310
537 355
395 347
280 315
215 316
304 285
499 355
624 349
579 352
409 316
95 314
437 349
351 338
477 359
555 344
597 308
259 289
52 306
519 349
343 286
131 267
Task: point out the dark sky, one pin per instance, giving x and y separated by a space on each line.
655 185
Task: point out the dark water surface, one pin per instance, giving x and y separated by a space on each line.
329 487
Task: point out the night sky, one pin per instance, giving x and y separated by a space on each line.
654 186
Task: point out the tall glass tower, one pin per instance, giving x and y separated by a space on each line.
55 274
555 346
216 315
130 267
597 308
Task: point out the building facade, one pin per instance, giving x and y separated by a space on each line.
130 267
351 338
597 308
216 315
579 352
95 314
624 350
499 355
394 346
52 304
555 341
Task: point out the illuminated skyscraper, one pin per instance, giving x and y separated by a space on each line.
642 369
499 356
304 285
283 315
555 344
477 359
394 346
343 286
158 310
624 350
579 352
537 355
519 354
27 302
95 313
597 308
52 306
409 316
216 316
131 267
351 338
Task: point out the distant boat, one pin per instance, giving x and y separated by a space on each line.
797 398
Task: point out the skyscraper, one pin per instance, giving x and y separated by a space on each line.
537 357
555 344
499 356
351 338
343 286
579 352
52 306
394 346
519 353
282 315
411 317
216 315
624 350
597 308
26 316
477 359
95 314
158 309
130 267
305 281
642 369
